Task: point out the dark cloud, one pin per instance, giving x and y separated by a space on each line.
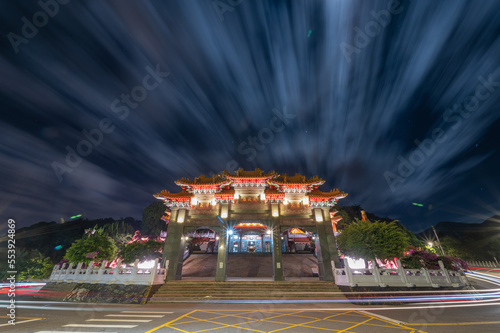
357 94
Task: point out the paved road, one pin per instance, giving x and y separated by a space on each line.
452 316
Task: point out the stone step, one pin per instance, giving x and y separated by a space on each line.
231 290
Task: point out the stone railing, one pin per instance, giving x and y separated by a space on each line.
483 264
121 274
400 277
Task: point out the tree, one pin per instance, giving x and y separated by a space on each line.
373 240
30 264
37 266
151 218
148 250
91 247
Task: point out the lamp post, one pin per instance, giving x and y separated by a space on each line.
437 237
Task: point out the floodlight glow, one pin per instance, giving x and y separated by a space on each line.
355 263
146 264
230 232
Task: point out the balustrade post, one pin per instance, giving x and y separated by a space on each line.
428 277
402 274
154 270
350 278
446 274
376 274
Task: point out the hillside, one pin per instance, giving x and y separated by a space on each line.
46 236
471 241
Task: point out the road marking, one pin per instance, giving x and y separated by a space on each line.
395 321
100 326
20 322
391 322
132 315
358 324
122 320
157 328
22 317
152 312
70 332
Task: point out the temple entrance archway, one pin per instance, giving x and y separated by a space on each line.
298 246
250 246
202 244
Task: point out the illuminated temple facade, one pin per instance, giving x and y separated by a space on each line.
251 212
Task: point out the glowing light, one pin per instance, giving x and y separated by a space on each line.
309 33
217 238
305 200
355 263
58 247
194 201
268 231
250 225
275 213
430 244
296 231
262 196
230 232
146 264
223 215
417 204
76 216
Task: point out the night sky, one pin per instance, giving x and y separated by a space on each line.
104 103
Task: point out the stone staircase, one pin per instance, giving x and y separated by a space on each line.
189 291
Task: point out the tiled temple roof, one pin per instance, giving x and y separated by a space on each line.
298 179
240 173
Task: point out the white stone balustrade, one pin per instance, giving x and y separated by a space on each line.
121 274
483 264
401 277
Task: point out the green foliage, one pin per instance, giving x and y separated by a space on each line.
411 237
151 218
37 267
30 264
120 231
373 240
147 250
91 247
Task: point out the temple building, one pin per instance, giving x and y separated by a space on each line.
251 212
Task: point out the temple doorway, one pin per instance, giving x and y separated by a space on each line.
201 260
299 253
250 251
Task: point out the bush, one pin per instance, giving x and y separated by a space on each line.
373 240
420 259
91 248
423 259
148 250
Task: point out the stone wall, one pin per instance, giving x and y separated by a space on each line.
96 293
